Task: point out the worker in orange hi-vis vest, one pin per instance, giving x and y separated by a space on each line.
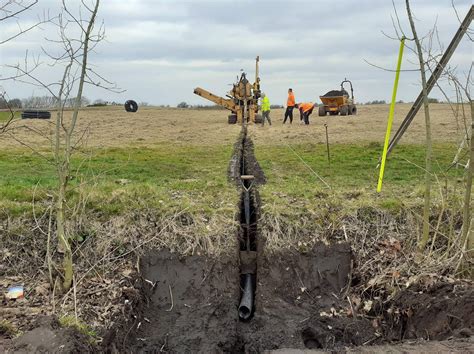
290 104
306 109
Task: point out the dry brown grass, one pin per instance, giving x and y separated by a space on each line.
113 127
369 125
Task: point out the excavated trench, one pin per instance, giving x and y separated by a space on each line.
248 303
255 301
248 228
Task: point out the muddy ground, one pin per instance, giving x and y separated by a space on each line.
190 305
302 302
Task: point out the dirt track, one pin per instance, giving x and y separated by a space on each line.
113 127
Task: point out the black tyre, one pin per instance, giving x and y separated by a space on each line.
353 110
34 114
232 119
344 110
131 106
321 111
258 119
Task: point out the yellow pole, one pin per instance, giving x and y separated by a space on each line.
390 115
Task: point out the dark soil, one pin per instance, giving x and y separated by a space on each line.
292 291
335 93
49 337
439 311
190 305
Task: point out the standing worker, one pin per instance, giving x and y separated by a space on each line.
265 109
305 111
290 104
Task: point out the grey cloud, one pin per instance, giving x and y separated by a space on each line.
159 50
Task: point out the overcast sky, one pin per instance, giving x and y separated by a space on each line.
160 50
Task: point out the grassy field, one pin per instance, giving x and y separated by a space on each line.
169 159
120 180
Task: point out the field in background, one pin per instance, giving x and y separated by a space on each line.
173 158
113 127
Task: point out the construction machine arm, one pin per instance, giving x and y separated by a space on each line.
226 103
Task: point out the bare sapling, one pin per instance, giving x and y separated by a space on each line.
64 131
429 149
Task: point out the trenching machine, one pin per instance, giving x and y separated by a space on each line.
242 100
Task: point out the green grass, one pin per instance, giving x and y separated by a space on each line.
168 178
123 179
352 166
352 175
69 321
4 116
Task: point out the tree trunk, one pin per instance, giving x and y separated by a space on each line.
429 150
63 153
63 239
468 242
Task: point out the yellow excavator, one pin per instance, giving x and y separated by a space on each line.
242 100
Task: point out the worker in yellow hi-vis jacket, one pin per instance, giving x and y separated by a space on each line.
265 109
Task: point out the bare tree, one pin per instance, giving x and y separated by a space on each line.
75 54
467 234
77 38
429 147
467 228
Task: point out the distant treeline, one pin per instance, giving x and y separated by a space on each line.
430 100
48 102
39 102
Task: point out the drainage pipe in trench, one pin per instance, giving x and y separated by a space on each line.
248 254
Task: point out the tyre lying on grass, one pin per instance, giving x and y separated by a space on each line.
131 106
35 114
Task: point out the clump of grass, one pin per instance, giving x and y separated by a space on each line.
69 321
7 329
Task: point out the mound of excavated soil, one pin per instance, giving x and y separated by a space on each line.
439 311
49 337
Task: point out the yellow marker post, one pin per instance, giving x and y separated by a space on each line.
390 115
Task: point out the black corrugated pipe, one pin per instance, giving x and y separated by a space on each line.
246 303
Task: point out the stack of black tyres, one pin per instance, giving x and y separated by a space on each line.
35 114
131 106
